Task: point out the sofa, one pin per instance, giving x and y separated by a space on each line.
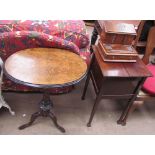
17 35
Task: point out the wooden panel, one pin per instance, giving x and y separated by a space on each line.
137 69
97 76
134 22
45 66
117 31
117 52
118 69
121 28
110 69
113 32
119 86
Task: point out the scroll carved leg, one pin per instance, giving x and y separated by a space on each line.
54 119
33 118
45 111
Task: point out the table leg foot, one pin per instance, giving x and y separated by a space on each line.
54 119
88 124
82 98
33 118
121 122
23 126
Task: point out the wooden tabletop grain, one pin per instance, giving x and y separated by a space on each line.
45 66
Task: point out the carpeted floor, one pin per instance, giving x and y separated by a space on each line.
73 115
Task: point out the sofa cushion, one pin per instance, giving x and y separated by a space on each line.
149 84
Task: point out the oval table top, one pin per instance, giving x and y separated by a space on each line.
45 67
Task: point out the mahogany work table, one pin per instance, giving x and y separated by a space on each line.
45 68
115 80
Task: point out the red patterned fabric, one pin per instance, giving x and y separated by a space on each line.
149 84
74 31
11 42
18 35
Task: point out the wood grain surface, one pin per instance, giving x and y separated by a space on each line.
134 22
45 66
121 69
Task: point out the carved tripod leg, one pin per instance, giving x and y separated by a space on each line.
54 119
46 106
33 118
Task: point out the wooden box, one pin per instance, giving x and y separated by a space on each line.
117 52
113 32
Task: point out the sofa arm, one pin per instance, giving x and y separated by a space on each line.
70 30
11 42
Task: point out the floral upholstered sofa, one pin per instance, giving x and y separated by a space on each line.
17 35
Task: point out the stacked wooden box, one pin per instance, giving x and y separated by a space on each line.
115 43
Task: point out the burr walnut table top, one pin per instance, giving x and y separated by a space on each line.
41 67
